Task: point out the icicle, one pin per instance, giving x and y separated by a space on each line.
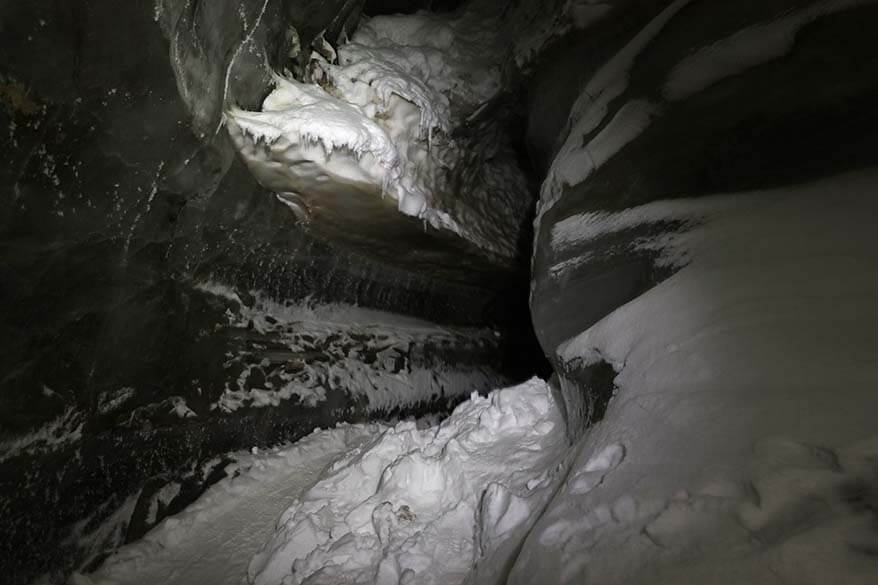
322 46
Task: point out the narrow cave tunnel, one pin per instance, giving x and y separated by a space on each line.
439 291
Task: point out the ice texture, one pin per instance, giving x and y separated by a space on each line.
408 506
380 116
367 503
746 48
369 353
575 160
739 445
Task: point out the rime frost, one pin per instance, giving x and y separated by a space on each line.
379 117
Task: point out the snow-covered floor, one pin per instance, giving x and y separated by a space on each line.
213 540
410 503
740 446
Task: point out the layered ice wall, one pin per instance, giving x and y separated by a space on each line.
704 280
310 355
387 114
368 504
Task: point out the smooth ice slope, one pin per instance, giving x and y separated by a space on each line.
741 444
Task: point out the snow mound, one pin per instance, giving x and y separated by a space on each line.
301 123
423 506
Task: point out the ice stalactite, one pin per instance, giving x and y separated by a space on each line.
384 107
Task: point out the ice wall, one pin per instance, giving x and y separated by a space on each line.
704 272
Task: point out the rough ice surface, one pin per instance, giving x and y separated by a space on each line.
365 347
213 539
534 26
367 504
110 401
379 117
740 445
66 428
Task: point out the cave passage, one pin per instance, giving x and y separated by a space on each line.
440 292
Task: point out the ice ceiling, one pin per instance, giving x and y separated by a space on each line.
407 116
702 276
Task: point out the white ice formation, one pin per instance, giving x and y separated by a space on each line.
379 120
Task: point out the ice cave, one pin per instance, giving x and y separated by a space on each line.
440 292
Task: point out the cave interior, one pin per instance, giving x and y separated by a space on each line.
438 291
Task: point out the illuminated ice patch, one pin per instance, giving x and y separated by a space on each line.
306 142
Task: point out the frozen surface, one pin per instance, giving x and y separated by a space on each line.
582 227
312 348
745 49
740 445
579 156
535 25
407 503
379 117
213 539
423 506
66 428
